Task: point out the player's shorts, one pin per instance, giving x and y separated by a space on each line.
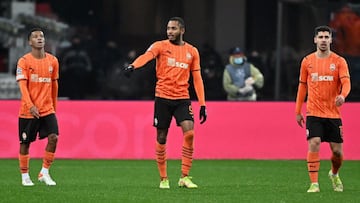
165 109
328 129
29 128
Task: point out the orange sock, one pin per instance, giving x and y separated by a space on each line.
336 163
161 159
313 164
187 153
24 163
48 159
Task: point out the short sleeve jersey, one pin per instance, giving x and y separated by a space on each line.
39 74
322 76
173 66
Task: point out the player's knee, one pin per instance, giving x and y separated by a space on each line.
53 138
161 139
337 153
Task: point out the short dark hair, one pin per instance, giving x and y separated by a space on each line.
33 30
322 28
180 20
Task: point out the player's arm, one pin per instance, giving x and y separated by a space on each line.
199 87
25 95
345 79
143 59
55 83
345 83
22 79
54 92
301 94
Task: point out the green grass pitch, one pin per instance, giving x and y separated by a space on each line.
225 181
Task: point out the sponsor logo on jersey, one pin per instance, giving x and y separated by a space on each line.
36 78
326 78
173 63
316 77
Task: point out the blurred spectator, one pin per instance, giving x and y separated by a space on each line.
259 60
346 25
212 70
289 70
115 85
241 78
76 72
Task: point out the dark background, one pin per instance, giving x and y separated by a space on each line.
110 29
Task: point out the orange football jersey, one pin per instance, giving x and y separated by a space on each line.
324 79
39 75
173 66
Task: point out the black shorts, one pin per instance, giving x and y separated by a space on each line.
328 129
30 127
165 109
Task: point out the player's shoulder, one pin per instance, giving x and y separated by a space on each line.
190 45
310 56
336 56
192 48
50 57
161 43
26 58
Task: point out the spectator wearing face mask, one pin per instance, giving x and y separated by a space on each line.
241 79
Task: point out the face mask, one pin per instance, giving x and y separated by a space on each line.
238 61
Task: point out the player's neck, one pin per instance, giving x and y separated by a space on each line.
322 54
38 53
177 42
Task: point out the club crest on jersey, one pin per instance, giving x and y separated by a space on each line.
188 56
332 67
51 69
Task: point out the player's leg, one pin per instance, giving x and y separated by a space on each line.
161 157
315 131
336 146
184 118
162 120
49 129
313 163
24 159
336 162
187 155
27 134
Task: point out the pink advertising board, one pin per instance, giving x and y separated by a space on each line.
123 130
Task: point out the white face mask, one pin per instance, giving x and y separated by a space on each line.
238 61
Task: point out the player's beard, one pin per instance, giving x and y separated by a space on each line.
175 39
323 47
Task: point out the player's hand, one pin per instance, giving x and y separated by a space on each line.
35 112
300 120
203 114
128 70
339 100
